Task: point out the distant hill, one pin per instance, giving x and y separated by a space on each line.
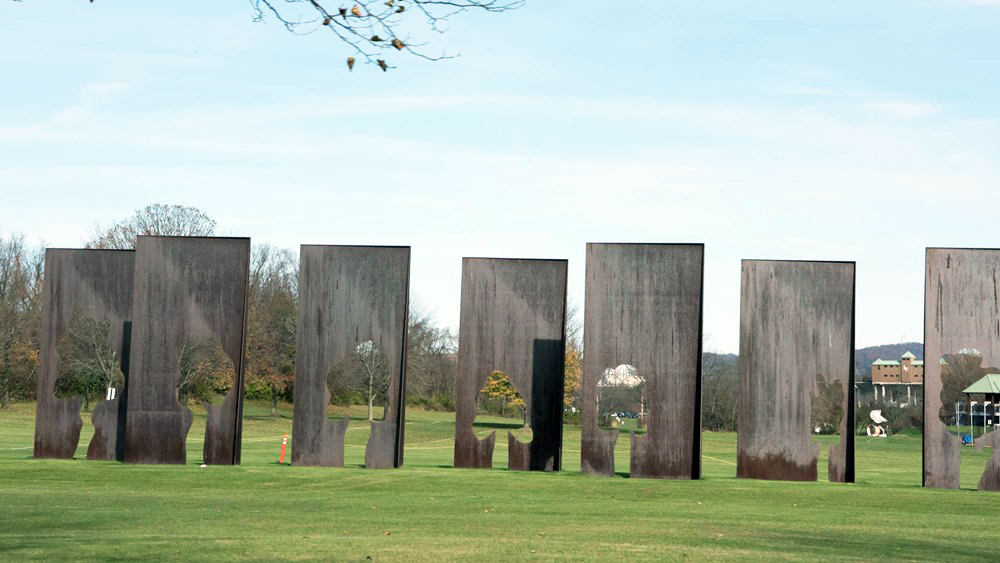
726 359
863 357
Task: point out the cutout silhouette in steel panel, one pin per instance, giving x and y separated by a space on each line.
353 302
512 320
643 312
796 343
92 287
189 291
961 344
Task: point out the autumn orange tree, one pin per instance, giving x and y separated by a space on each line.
498 386
373 30
573 375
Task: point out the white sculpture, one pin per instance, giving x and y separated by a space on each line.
876 428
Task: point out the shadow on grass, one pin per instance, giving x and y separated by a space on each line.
499 425
266 417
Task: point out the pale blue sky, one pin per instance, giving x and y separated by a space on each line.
790 130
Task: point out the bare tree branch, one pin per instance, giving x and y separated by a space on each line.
372 28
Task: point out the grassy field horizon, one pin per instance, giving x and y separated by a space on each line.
430 511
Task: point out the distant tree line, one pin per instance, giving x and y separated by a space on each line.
88 367
20 317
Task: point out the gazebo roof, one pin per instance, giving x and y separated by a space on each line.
988 385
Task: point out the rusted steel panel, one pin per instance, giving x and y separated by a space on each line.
512 320
796 329
99 282
643 308
961 311
349 295
186 288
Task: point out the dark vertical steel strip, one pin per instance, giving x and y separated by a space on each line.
123 399
401 391
847 428
241 371
557 466
696 440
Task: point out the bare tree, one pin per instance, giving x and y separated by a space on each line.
827 405
374 372
205 370
156 219
87 366
20 316
720 392
431 360
372 28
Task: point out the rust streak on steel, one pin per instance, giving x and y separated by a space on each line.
349 295
186 289
99 284
796 331
643 308
961 311
512 320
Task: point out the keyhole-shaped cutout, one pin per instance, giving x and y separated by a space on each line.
361 378
87 366
206 372
621 399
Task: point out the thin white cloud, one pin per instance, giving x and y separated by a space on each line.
105 88
904 110
103 93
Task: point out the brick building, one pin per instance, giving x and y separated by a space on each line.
892 378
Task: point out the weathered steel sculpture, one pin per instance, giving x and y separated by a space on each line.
961 307
512 320
349 295
99 284
643 308
186 289
796 338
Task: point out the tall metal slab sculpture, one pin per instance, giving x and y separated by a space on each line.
512 320
349 295
187 289
98 284
961 316
796 342
643 308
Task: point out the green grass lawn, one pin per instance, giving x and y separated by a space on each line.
429 511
